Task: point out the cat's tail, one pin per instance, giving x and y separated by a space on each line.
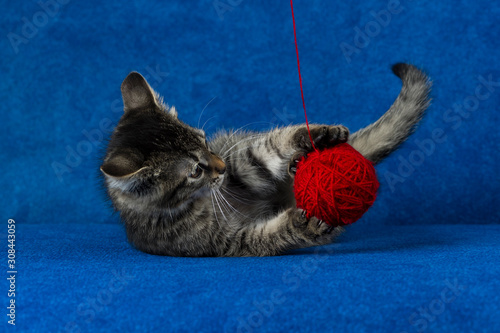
378 140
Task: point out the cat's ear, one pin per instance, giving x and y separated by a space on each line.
136 92
121 170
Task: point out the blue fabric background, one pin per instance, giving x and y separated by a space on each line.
62 66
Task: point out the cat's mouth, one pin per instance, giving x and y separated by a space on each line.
216 183
213 185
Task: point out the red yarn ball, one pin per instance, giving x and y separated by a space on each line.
336 185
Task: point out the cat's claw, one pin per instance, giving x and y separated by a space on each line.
330 229
296 158
312 229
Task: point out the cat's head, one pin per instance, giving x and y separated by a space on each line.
153 160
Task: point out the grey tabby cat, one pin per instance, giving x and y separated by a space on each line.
180 195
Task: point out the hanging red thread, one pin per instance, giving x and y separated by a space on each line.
336 185
300 76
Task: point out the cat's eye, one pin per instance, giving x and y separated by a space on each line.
197 171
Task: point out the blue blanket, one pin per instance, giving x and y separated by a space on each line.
424 258
87 278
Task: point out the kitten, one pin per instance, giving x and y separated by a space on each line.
181 195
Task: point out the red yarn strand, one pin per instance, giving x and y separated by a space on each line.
300 76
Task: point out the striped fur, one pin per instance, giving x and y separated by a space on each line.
180 195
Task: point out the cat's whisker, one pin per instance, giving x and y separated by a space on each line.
235 153
241 158
231 211
201 114
227 222
215 211
236 197
251 137
223 204
225 152
203 127
223 201
217 202
239 129
227 202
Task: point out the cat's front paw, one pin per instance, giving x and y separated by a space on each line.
323 136
313 230
329 136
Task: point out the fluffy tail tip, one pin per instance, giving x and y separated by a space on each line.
401 69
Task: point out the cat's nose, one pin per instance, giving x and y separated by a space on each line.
222 171
217 164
